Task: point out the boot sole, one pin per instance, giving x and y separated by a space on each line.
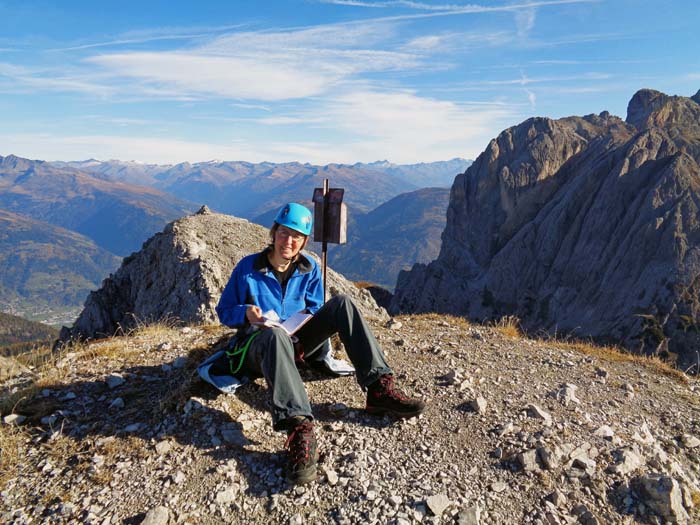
303 477
378 411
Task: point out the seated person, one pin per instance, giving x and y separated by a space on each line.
281 278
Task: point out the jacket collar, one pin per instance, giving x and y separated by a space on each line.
260 264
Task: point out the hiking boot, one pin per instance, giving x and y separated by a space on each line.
302 452
384 398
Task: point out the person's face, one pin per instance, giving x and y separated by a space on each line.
288 242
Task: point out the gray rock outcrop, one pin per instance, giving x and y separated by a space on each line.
178 277
583 225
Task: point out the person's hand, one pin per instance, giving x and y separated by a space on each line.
254 314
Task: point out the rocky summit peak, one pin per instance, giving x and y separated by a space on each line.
649 108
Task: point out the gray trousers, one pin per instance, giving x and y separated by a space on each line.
271 355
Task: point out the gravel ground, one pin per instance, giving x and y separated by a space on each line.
516 431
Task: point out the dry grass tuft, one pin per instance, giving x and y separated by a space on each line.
108 349
435 319
509 326
620 355
164 327
695 498
36 358
13 402
158 330
12 454
213 328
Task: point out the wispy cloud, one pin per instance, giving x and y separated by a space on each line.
265 65
14 77
525 21
153 35
568 62
526 80
250 106
292 121
457 41
453 8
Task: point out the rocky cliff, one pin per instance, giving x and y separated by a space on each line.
179 274
582 225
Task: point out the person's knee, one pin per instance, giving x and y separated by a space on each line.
276 339
342 301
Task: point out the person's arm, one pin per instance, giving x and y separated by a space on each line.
314 291
232 307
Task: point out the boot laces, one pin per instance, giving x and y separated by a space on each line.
389 389
299 442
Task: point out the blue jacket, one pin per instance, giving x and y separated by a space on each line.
252 283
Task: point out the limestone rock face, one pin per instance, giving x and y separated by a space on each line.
582 225
179 274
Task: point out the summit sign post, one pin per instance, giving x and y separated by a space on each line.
330 221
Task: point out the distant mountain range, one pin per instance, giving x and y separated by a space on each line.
66 223
403 231
115 215
250 190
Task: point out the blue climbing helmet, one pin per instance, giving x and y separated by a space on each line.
296 217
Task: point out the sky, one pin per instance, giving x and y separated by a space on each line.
323 81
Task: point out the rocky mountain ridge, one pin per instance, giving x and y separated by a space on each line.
582 225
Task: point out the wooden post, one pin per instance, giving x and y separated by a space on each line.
324 250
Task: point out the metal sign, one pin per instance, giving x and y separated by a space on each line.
330 221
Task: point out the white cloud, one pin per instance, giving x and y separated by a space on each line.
104 147
234 77
407 128
399 126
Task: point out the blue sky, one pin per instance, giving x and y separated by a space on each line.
322 81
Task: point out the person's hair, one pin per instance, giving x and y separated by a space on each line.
273 232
